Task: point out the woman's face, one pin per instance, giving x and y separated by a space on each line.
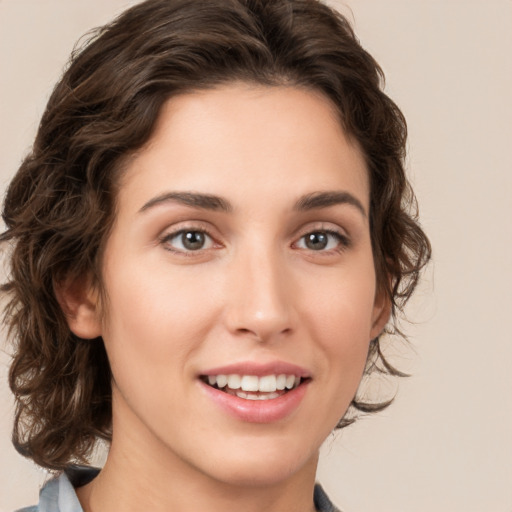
241 252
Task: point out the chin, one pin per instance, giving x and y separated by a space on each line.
260 475
262 466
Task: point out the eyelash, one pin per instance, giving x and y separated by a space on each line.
166 239
343 242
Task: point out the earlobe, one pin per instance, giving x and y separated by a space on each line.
79 301
381 313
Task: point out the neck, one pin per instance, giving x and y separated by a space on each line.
135 489
143 476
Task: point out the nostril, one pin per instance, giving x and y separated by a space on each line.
263 335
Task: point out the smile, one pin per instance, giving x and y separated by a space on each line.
252 387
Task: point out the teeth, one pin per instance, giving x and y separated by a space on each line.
268 383
252 396
234 381
290 381
250 384
222 380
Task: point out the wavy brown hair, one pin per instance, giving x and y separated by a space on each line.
60 205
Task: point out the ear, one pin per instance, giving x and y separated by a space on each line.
381 313
79 300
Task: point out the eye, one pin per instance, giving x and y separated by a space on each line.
322 240
188 240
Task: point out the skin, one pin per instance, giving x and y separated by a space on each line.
254 292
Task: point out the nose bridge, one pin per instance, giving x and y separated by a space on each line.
260 303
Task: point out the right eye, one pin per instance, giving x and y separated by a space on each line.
188 240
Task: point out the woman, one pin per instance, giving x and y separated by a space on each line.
208 238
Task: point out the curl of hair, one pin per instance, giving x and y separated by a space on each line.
60 206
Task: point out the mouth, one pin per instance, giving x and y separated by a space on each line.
252 387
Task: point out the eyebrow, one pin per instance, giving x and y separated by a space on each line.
326 199
193 199
313 201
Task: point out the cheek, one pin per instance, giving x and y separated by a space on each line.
343 332
151 300
154 322
339 317
341 305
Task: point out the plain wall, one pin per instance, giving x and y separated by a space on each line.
446 442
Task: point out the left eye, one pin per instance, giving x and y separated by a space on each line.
320 241
189 240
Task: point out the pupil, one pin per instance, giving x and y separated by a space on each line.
193 240
316 241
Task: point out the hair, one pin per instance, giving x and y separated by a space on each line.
60 205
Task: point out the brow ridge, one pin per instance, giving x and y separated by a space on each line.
312 201
193 199
328 198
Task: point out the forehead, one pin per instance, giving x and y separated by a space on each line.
247 139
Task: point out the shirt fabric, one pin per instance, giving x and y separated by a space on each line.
58 495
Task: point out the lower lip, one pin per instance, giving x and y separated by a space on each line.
258 411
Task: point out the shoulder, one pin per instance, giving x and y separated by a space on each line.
58 494
322 501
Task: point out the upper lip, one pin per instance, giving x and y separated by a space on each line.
259 369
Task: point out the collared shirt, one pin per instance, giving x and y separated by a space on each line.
58 495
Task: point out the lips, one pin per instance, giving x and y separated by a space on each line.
256 393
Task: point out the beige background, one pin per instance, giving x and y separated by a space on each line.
446 443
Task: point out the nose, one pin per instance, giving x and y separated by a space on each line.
260 295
